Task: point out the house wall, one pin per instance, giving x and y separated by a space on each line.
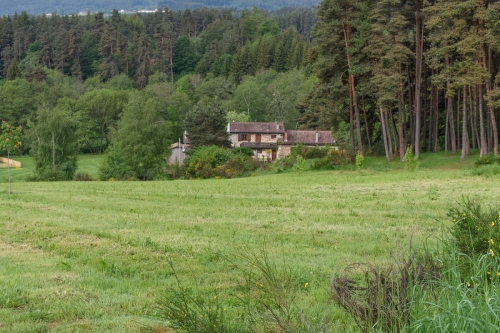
264 138
284 151
177 155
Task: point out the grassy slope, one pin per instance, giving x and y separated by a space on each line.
91 256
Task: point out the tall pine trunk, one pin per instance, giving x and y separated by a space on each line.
465 136
400 124
484 145
451 122
384 134
419 31
490 109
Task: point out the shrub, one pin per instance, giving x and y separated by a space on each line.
63 171
203 161
300 165
115 167
487 159
245 151
360 161
475 230
175 170
411 162
83 176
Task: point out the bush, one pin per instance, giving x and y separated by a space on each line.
203 161
300 165
63 171
411 162
245 151
83 176
115 167
476 231
333 158
487 159
360 161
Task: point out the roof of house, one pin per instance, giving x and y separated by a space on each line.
249 127
309 137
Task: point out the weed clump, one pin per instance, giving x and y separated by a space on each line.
487 160
379 298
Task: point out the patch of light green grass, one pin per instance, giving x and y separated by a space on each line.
93 256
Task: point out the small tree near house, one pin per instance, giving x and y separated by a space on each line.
10 140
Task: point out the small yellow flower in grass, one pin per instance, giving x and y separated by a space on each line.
498 274
492 253
306 284
468 284
492 223
492 242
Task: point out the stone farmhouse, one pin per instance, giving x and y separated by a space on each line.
268 140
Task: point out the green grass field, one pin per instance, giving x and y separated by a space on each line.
93 256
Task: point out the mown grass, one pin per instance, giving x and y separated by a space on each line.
87 163
93 256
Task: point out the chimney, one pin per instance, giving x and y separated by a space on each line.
286 136
317 136
277 126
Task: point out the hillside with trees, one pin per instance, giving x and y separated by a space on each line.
383 75
37 7
127 83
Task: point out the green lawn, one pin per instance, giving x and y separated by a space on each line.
92 256
87 163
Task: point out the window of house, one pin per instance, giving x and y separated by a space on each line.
259 151
243 137
273 136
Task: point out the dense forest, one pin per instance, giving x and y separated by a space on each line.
382 75
408 72
36 7
84 79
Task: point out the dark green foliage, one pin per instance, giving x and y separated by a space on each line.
213 161
203 161
244 151
53 144
13 72
185 58
139 146
116 167
206 124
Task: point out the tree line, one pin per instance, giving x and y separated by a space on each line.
131 84
398 72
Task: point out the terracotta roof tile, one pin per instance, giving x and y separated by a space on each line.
309 137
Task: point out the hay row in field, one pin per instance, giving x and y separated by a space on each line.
4 162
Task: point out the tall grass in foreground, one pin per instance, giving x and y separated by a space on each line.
466 297
452 288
